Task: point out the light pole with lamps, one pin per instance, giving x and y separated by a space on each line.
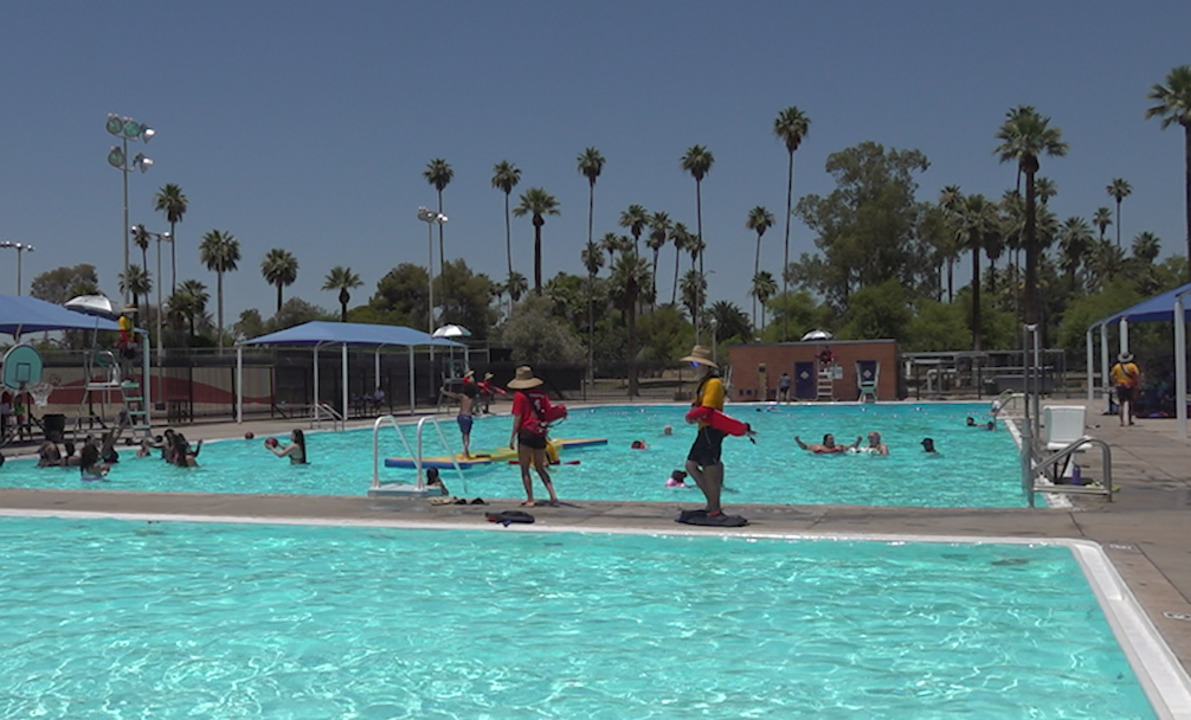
21 249
431 217
139 230
127 129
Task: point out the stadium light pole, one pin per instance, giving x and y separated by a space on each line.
127 129
21 249
431 218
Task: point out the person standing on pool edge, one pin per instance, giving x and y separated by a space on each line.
532 413
703 462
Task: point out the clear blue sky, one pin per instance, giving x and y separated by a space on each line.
307 125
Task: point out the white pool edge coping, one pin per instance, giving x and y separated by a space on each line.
1166 684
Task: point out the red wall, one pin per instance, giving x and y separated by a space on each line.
780 358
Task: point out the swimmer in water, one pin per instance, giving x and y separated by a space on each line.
875 446
928 446
677 479
828 446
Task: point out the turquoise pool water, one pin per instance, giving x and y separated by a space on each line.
168 620
975 468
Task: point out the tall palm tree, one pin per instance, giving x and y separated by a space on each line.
694 291
593 259
516 285
591 164
1045 189
280 269
630 276
950 200
680 236
698 161
659 232
344 280
1118 190
1146 246
764 286
189 301
978 225
538 203
791 126
172 201
1174 106
610 244
1075 239
759 220
140 236
219 251
635 218
137 283
505 176
1102 219
439 173
1025 136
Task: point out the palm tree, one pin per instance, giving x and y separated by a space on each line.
591 164
610 243
1024 136
505 176
694 291
439 173
680 236
537 202
172 201
593 259
630 275
1174 106
1075 239
1119 189
1146 246
790 126
698 161
516 286
140 236
759 220
137 283
659 232
635 218
344 280
189 301
1102 219
764 286
1107 261
279 268
978 225
1045 189
950 200
219 251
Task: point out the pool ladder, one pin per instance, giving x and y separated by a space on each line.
417 456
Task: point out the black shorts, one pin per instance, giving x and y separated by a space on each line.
531 440
1124 393
706 449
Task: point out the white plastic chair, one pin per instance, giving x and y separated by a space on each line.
1064 425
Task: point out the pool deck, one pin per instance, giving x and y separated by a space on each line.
1145 531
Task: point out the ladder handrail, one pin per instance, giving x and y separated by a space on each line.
417 456
337 420
1068 451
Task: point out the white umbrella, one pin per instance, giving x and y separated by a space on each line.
92 305
817 335
451 331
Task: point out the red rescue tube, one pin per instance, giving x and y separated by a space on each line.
718 420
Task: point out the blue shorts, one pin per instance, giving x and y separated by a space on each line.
465 422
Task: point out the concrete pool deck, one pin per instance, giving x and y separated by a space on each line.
1145 531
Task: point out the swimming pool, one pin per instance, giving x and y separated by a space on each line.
135 619
974 468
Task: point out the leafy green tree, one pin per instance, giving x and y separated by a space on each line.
173 202
1173 105
505 176
799 311
466 298
590 164
1087 309
635 218
344 280
63 283
439 174
759 220
537 203
1025 135
936 327
219 251
296 311
791 126
877 311
537 337
1118 190
250 325
867 228
659 232
630 277
404 290
664 334
280 269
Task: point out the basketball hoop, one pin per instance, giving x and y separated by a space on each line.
40 392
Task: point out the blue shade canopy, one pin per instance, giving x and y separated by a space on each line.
20 314
1159 308
355 334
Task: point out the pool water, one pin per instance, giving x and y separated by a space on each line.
132 619
974 467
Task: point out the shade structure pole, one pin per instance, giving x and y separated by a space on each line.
1091 365
343 363
412 405
1180 363
316 396
1124 340
376 371
146 370
239 383
1104 379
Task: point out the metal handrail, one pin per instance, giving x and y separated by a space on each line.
1068 451
417 456
337 421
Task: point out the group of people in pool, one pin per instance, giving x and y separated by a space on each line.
97 454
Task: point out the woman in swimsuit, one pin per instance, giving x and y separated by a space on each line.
295 451
828 446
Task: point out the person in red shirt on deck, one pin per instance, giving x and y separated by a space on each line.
532 414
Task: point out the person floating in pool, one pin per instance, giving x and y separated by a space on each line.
466 400
532 413
928 446
295 451
828 446
668 430
638 445
875 446
677 479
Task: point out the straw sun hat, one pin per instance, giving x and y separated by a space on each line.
1125 357
701 355
524 379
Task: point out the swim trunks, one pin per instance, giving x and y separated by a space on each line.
465 421
706 449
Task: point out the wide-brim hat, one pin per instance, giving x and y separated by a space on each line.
700 354
487 376
524 379
468 374
1125 357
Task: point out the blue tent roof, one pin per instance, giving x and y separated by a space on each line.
21 314
360 334
1159 308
